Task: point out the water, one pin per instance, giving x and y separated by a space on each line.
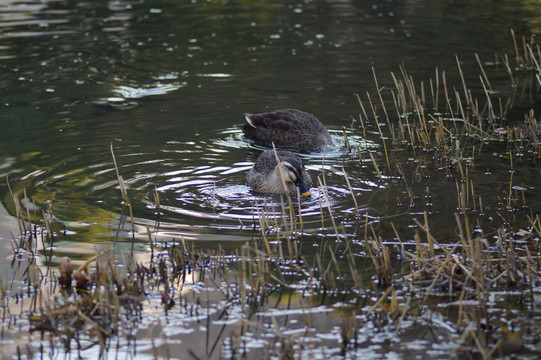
165 82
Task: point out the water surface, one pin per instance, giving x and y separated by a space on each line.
164 83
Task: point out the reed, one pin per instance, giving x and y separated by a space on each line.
381 276
126 202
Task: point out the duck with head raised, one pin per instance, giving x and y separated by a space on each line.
288 128
269 176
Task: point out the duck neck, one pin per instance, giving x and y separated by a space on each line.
278 184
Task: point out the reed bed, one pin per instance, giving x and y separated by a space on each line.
289 294
445 133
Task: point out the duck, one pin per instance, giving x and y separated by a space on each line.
266 174
287 129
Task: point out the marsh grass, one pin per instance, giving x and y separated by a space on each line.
478 262
384 281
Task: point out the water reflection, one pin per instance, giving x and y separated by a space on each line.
183 74
199 198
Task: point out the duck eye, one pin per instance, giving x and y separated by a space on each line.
293 171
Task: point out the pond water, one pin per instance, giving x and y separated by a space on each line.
163 83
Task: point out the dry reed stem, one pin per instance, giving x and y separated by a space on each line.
485 77
323 189
374 113
461 77
380 300
375 166
364 113
351 191
383 105
517 56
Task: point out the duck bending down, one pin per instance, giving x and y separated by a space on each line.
266 175
288 128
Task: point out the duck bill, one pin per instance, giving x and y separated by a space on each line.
302 188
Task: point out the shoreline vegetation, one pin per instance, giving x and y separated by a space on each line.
383 289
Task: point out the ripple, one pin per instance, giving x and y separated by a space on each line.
130 92
200 186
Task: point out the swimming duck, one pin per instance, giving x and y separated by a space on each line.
265 175
288 128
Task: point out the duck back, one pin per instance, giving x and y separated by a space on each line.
288 128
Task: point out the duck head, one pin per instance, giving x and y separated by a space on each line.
292 173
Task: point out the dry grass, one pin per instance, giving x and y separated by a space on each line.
390 283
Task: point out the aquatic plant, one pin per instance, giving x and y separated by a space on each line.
369 285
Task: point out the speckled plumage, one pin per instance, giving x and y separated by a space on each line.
265 175
288 128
